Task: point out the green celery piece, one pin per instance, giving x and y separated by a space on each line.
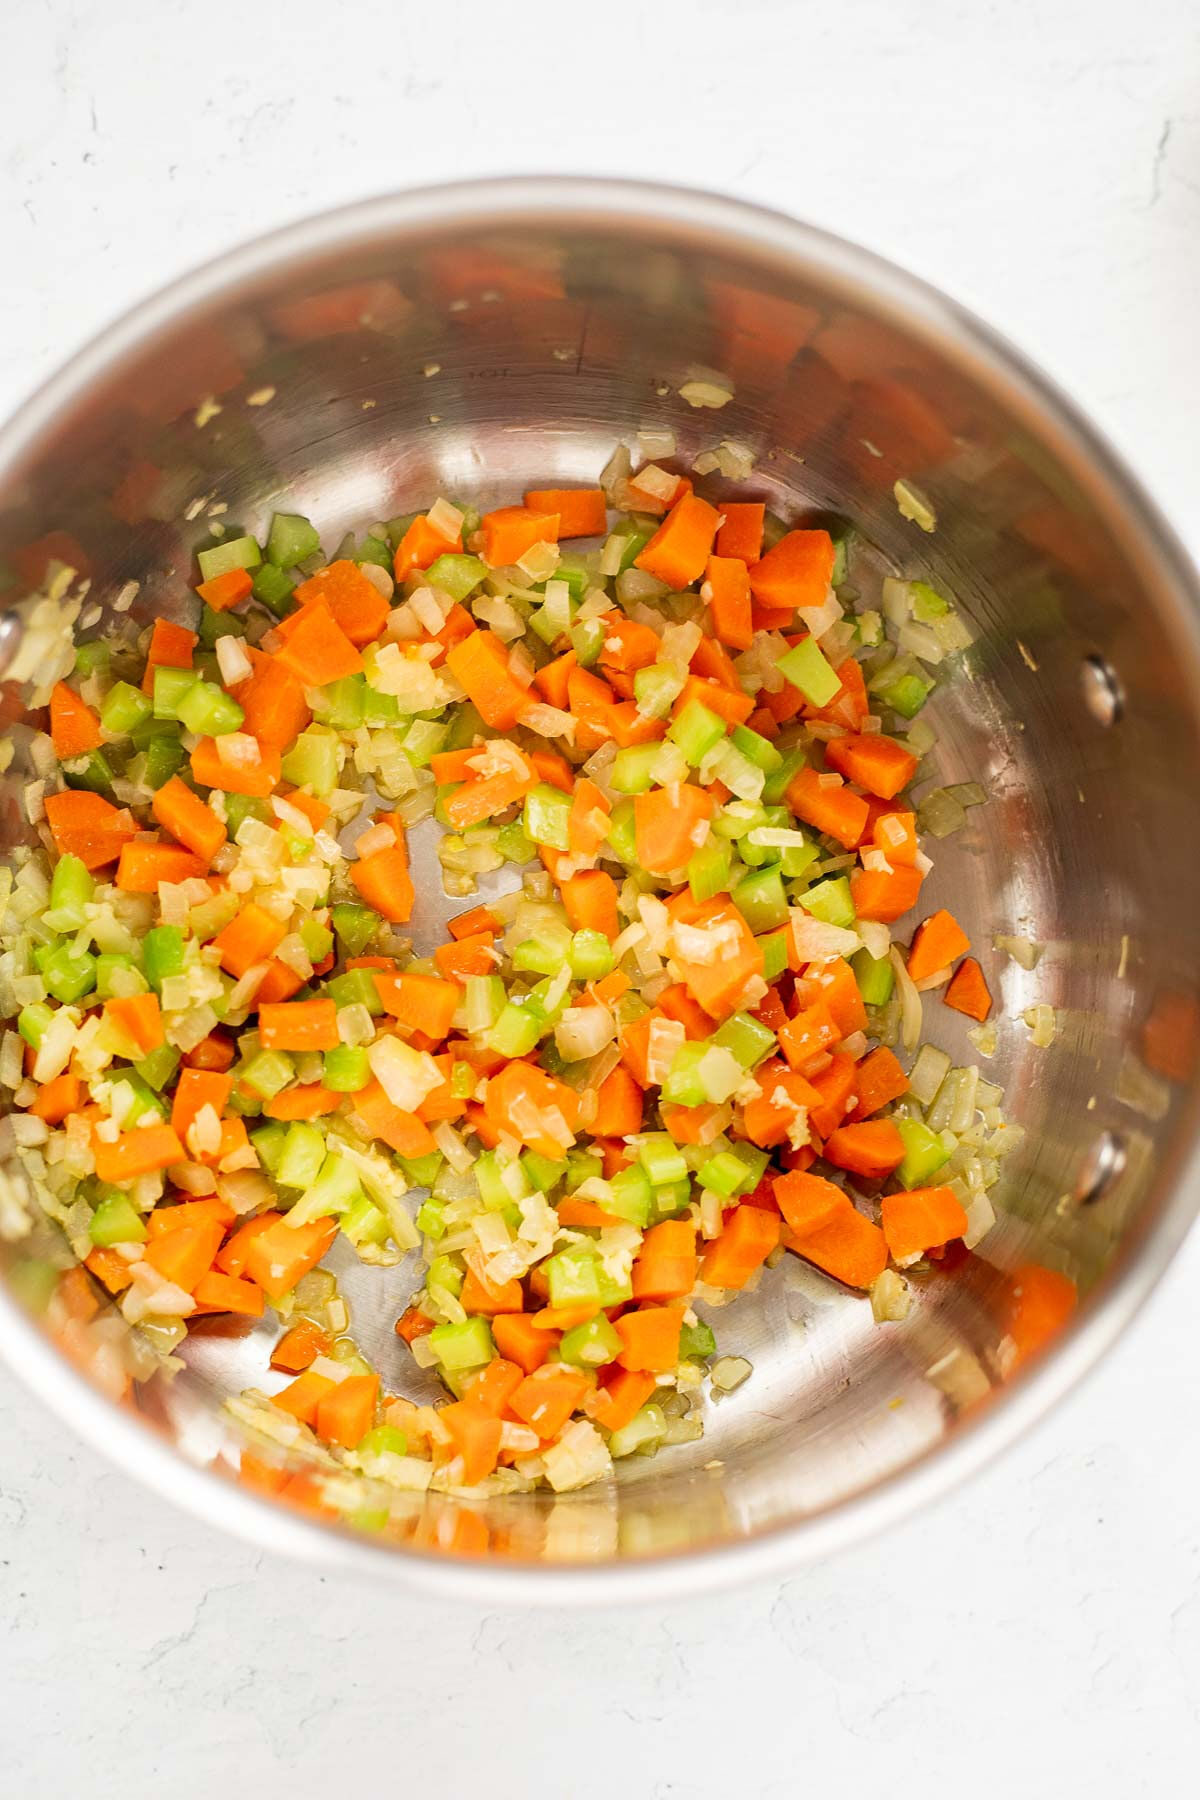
374 550
446 1275
545 816
927 603
757 1162
274 587
68 973
798 859
906 696
622 833
671 1199
382 1440
71 889
661 1158
93 772
268 1073
645 1427
710 868
346 1069
516 1031
513 844
423 739
162 954
774 946
290 539
230 553
145 1100
760 899
124 707
463 1080
240 807
542 955
746 1039
636 539
214 625
116 1221
757 749
355 926
810 671
576 578
456 574
170 687
32 1022
465 725
875 977
656 689
632 1195
316 938
158 1067
209 711
631 768
582 1165
421 1171
830 901
778 780
335 1189
312 761
431 1219
697 731
484 1000
116 974
587 641
590 955
397 527
465 1346
590 1345
341 704
165 756
723 1174
683 1086
212 916
92 658
759 856
543 1171
492 1191
924 1153
363 1222
356 987
696 1342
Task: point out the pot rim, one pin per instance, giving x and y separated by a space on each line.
131 1443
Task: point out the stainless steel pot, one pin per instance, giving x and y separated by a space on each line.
469 339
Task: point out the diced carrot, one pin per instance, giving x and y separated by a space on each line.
231 1257
228 589
219 1293
345 1415
797 571
810 1032
252 937
510 531
74 727
581 512
882 896
1038 1303
650 1339
198 1088
138 1018
88 826
748 1236
669 826
713 662
920 1219
643 500
742 531
876 763
521 1341
666 1264
807 1201
421 1002
185 1254
575 1212
680 548
135 1153
968 991
402 1131
590 900
618 1105
621 1395
311 1101
485 1298
473 955
834 1088
55 1099
872 1148
210 1211
692 1124
551 680
171 647
553 769
109 1267
299 1025
728 584
828 806
731 705
412 1324
475 1433
480 664
493 1386
546 1398
302 1397
880 1078
357 606
278 1256
480 918
421 545
318 650
142 866
454 765
519 1098
628 645
835 1236
258 779
383 881
938 942
300 1346
482 798
895 833
188 819
768 1118
834 982
273 702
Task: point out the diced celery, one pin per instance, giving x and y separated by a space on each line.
269 1141
423 739
830 901
335 1189
632 1196
274 587
356 987
545 816
158 1067
590 1345
170 687
32 1022
214 625
431 1218
807 669
746 1039
303 1156
875 977
774 946
513 844
723 1174
363 1222
346 1069
760 899
68 973
927 603
455 574
683 1086
797 859
590 955
316 938
374 550
124 707
622 832
778 780
115 974
92 658
230 553
672 1198
661 1158
582 1165
116 1221
384 709
587 641
924 1153
656 689
465 1346
209 710
483 1002
576 578
543 1172
758 856
340 704
543 954
756 749
578 1277
93 772
144 1100
268 1072
697 731
645 1427
516 1031
631 771
635 540
312 761
696 1342
355 926
162 954
421 1171
164 757
71 888
290 540
463 1080
709 868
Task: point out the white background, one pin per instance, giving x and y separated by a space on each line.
1039 159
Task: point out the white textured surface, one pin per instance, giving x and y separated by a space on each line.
1042 162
